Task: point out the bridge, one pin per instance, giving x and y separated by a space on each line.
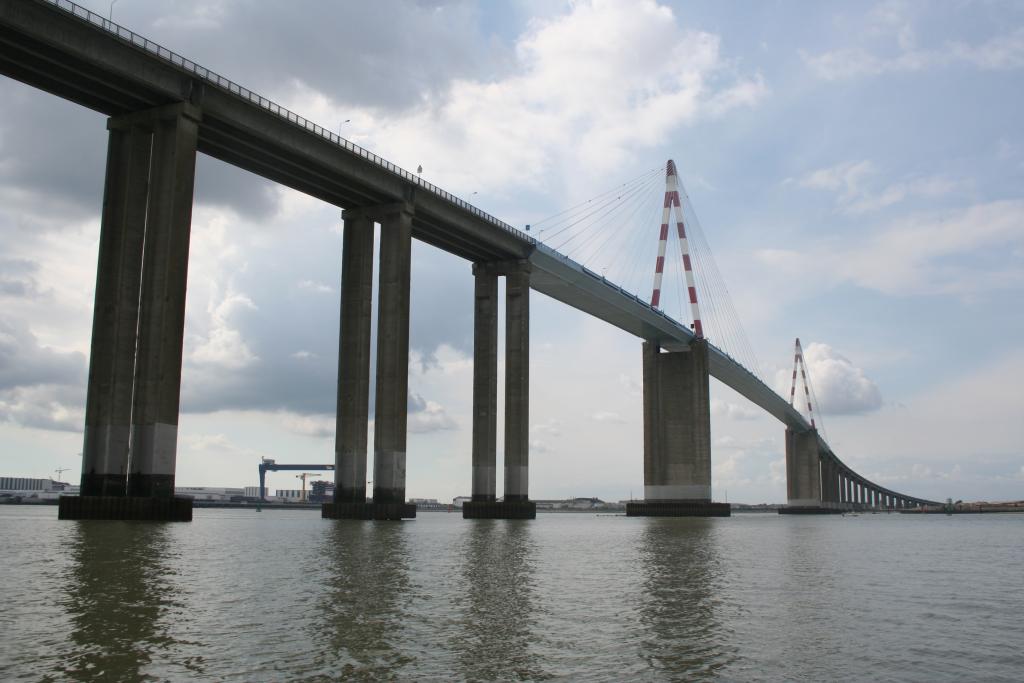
164 108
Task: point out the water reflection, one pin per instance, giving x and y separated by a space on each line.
498 609
118 592
807 546
367 584
682 573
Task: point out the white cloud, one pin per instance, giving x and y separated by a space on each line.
430 416
312 286
586 89
320 426
44 406
223 345
631 384
927 252
607 416
1004 51
538 446
855 193
733 411
551 427
840 387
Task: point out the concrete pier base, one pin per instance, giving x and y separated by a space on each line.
504 509
384 511
677 508
177 509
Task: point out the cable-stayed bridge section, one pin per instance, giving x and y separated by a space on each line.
163 109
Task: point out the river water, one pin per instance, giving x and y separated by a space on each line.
284 595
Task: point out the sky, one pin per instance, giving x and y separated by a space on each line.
857 170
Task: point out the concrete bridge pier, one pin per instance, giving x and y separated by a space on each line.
353 404
130 446
516 503
806 475
392 400
677 435
108 406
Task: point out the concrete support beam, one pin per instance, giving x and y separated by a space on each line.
162 310
353 405
517 383
485 383
108 405
392 404
677 434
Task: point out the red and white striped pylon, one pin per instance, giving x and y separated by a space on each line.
672 200
798 360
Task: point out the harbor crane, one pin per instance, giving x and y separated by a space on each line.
303 477
271 465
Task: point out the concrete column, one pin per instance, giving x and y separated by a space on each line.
803 469
829 486
517 383
485 383
837 482
677 435
108 405
392 404
683 466
353 405
837 486
652 414
826 482
162 314
833 484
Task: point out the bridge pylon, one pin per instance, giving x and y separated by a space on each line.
677 405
